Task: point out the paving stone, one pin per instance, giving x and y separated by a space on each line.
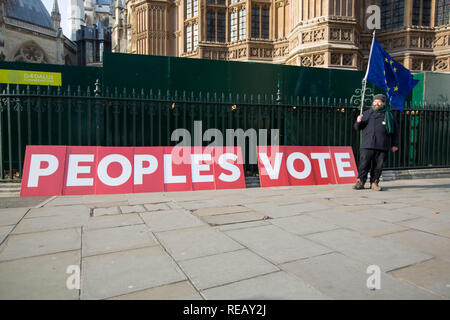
107 204
303 224
4 231
35 244
277 245
196 242
233 218
242 225
273 286
116 239
132 209
432 225
12 216
385 214
386 254
106 211
437 246
87 199
339 277
156 206
433 275
170 220
176 291
215 270
219 210
49 223
114 274
423 212
356 201
195 205
286 211
113 221
357 222
38 278
70 210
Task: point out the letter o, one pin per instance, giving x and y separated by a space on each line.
102 170
290 165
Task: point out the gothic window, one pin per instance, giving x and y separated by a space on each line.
242 24
89 52
392 14
215 26
195 27
30 52
421 14
260 22
221 2
191 8
188 38
442 12
233 24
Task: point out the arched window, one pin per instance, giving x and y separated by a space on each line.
421 14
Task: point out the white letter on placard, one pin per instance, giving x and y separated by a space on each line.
139 169
74 169
35 167
321 157
290 165
274 171
197 167
341 165
235 172
168 177
102 170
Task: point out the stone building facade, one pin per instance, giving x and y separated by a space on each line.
28 33
313 33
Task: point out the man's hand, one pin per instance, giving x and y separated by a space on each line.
394 149
359 119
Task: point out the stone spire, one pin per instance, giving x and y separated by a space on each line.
56 16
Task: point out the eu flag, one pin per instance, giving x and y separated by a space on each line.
389 75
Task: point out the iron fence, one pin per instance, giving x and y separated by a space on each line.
51 116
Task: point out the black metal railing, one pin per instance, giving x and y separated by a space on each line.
51 116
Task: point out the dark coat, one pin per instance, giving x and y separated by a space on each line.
374 133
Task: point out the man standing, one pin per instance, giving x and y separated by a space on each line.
379 135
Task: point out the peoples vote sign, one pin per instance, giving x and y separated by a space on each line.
70 170
295 166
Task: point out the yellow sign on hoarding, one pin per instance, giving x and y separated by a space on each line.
30 77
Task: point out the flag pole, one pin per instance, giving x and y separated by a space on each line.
367 72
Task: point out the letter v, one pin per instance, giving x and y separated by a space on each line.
274 171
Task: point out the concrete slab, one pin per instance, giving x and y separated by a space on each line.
433 275
339 277
35 244
113 221
11 216
156 206
39 278
199 204
430 224
219 210
242 225
176 291
273 286
357 222
106 211
4 231
386 214
276 245
386 254
132 209
231 218
303 224
286 211
196 242
170 220
114 274
434 245
116 239
215 270
49 223
71 210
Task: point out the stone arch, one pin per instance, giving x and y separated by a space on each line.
30 52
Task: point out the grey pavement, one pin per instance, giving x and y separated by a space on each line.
305 242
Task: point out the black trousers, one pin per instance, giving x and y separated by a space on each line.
371 160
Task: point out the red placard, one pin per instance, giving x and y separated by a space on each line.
43 171
177 169
228 168
202 168
272 166
299 166
80 170
344 164
114 170
148 169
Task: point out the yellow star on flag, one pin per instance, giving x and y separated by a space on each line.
395 69
386 59
395 88
391 61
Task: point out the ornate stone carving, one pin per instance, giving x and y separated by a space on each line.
335 59
30 52
441 64
347 59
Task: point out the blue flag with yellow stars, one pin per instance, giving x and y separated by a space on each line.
389 75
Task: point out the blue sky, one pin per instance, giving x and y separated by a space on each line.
64 10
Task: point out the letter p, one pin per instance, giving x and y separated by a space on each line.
35 167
